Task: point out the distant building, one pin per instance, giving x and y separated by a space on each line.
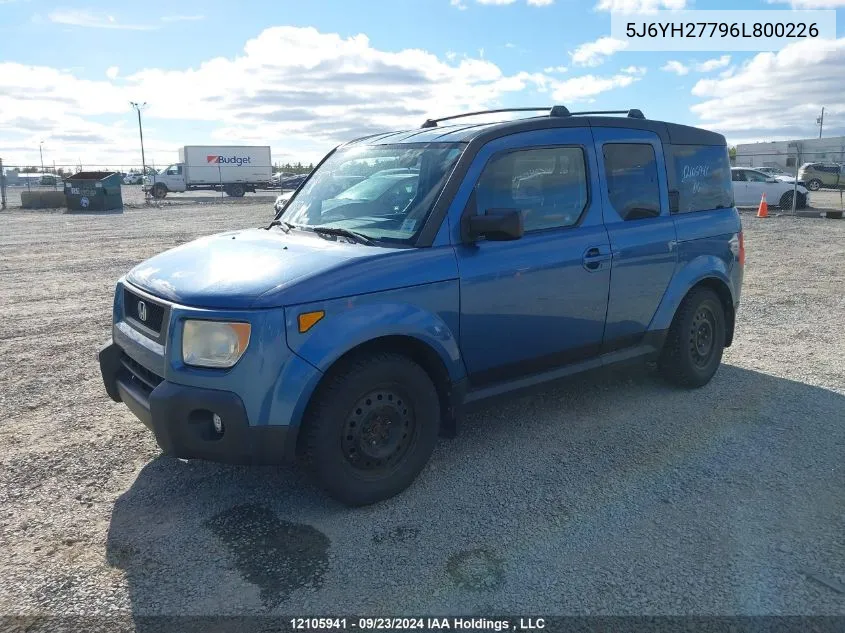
785 154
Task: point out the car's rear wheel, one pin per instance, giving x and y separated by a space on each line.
693 348
159 192
371 428
236 191
834 215
814 185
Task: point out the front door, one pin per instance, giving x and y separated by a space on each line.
642 234
539 302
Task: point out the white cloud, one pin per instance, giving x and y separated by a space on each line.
182 18
639 6
634 70
778 94
458 4
594 53
555 69
540 3
269 94
112 72
581 88
713 64
674 66
89 19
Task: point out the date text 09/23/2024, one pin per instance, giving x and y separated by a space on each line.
418 623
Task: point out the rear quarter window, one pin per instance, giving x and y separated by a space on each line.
703 177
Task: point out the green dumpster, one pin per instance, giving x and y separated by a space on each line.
94 191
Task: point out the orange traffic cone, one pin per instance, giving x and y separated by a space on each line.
763 210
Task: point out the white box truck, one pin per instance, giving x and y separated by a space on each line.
233 169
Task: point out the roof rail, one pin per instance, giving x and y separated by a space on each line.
554 111
433 122
631 114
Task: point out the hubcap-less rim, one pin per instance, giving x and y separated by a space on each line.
378 431
702 335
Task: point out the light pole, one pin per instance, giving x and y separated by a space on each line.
138 107
820 121
41 154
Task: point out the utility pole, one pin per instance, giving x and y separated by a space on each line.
138 107
41 154
820 121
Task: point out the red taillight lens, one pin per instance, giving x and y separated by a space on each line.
741 249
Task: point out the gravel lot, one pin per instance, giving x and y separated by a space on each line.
609 494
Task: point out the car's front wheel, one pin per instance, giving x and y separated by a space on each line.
371 428
696 339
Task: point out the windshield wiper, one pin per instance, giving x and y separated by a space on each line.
285 226
335 230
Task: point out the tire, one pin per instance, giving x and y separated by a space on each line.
159 192
693 348
814 185
834 215
371 428
786 201
235 191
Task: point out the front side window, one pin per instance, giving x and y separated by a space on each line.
384 192
548 185
738 175
632 184
756 176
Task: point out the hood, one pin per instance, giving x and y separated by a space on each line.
231 270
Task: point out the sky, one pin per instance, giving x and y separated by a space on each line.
305 76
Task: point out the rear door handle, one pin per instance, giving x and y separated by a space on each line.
593 258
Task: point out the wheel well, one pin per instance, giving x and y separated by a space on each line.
723 292
418 352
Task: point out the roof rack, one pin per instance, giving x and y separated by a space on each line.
554 111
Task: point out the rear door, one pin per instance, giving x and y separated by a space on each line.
740 183
642 234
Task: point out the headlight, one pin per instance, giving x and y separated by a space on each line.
214 343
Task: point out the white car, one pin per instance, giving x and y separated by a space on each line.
282 200
751 184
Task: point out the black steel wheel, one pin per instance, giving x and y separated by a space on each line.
371 427
693 348
379 431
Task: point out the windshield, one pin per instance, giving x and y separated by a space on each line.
384 192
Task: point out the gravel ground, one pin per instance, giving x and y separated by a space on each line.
609 494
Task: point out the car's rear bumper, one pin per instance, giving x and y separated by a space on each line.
180 417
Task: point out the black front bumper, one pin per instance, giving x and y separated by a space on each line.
180 418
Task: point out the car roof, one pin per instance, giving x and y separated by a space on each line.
466 132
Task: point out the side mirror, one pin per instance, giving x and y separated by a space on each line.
772 179
497 225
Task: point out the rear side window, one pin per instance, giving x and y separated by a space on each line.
632 185
549 186
703 175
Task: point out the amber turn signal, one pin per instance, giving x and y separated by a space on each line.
307 320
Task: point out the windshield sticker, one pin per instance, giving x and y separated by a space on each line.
408 226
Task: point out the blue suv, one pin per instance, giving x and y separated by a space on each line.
417 272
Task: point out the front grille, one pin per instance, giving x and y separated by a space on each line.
139 375
132 308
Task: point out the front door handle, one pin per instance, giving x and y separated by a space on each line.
593 258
